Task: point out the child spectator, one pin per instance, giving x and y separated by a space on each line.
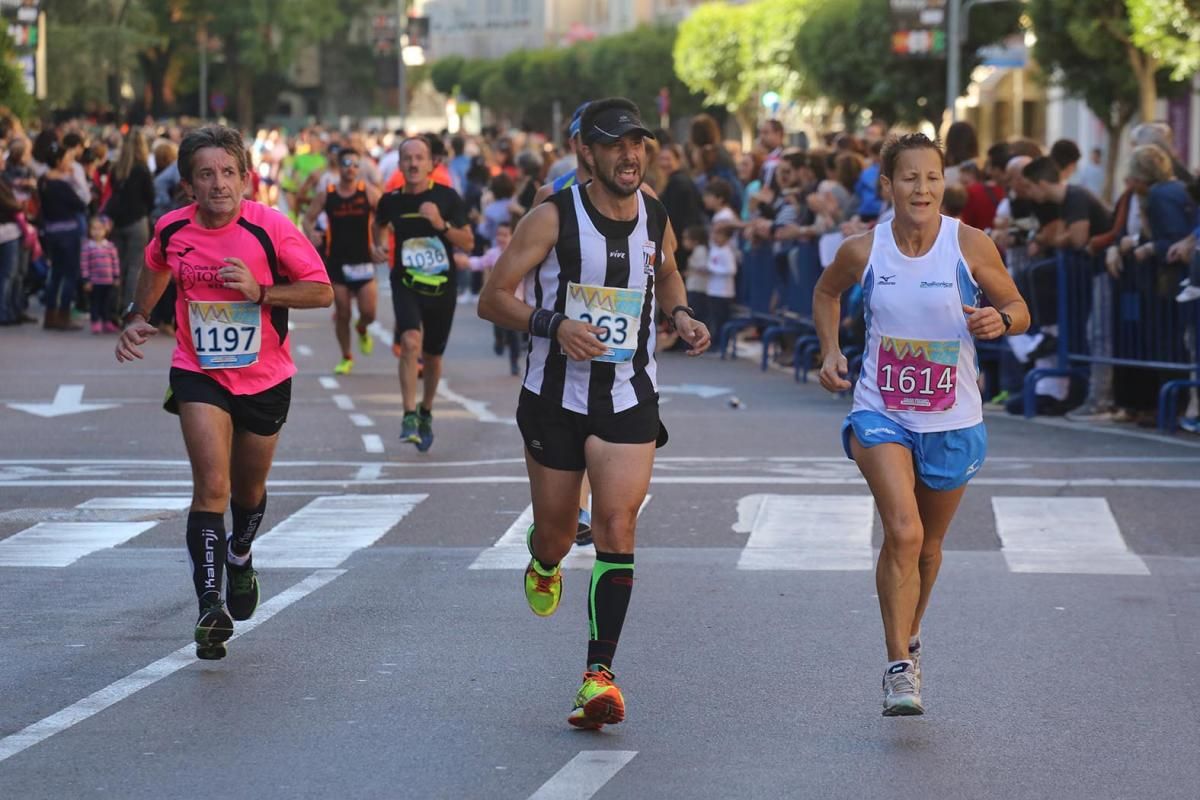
696 274
101 271
503 338
722 269
497 211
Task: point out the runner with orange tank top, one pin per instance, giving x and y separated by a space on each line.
349 206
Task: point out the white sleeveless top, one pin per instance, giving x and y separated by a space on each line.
920 367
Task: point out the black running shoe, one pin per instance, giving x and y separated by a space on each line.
241 591
213 628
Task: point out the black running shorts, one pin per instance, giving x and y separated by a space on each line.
432 316
262 414
555 437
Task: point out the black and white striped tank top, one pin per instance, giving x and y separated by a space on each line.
600 270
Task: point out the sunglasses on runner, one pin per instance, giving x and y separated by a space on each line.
349 162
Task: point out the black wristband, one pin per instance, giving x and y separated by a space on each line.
685 309
555 324
544 323
1007 320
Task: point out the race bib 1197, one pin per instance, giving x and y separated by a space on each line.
225 335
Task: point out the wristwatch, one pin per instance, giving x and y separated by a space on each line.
685 309
1007 320
131 311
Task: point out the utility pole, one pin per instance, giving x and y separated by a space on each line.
957 22
401 91
953 57
203 36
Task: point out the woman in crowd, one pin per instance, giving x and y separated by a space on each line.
129 209
61 208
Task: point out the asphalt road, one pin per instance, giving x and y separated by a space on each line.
394 657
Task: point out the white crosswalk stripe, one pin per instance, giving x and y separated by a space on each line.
330 529
510 552
60 544
806 532
1075 535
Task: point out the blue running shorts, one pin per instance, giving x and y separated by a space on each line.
944 460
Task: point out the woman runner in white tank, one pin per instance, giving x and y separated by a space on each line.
916 428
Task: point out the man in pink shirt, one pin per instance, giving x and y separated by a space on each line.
238 267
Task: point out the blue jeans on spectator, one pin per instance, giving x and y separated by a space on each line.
64 250
10 253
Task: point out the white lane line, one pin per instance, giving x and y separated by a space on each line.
119 690
1072 535
372 442
304 350
584 775
674 480
509 551
160 503
477 408
329 529
59 544
362 421
343 402
328 382
806 532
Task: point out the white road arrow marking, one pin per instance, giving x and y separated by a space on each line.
67 400
698 389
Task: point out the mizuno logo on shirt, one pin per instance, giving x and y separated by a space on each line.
887 280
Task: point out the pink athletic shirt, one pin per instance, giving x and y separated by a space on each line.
275 251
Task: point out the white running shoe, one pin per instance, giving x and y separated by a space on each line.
901 692
914 655
1188 294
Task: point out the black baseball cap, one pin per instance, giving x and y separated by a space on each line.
613 123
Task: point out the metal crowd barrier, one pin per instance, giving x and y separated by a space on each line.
1129 321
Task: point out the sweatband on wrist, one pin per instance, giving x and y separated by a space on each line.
544 323
555 323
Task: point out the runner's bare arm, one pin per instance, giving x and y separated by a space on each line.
309 221
532 241
150 286
989 272
668 284
373 194
845 271
379 238
299 294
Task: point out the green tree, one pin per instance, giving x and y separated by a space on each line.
446 73
1169 30
711 58
1093 68
13 94
845 50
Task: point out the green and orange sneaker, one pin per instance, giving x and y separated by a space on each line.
543 587
598 702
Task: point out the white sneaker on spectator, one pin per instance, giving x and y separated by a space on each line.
1188 294
1090 413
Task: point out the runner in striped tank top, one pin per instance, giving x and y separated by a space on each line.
916 429
597 261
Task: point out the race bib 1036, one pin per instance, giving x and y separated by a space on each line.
425 254
225 335
617 311
917 374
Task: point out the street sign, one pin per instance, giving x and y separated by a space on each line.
918 27
218 102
